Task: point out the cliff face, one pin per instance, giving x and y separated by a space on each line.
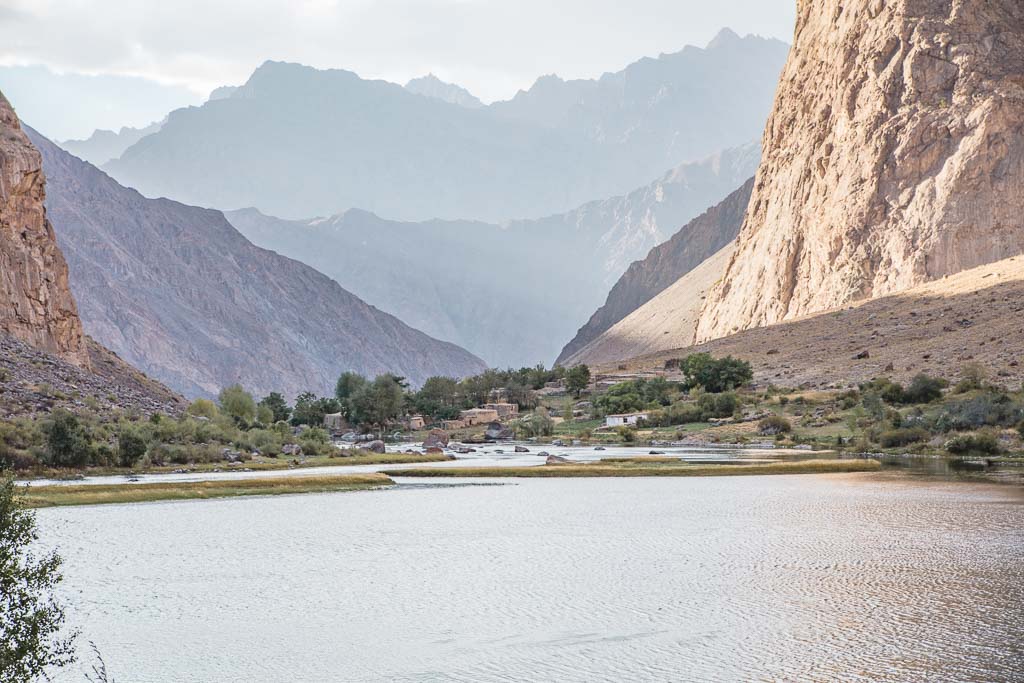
36 305
894 156
179 293
696 242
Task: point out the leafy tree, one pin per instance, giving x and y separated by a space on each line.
67 440
279 408
348 385
623 397
378 402
310 410
438 397
238 403
715 375
577 378
202 407
131 446
264 415
30 617
924 389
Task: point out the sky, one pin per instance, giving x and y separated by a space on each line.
147 57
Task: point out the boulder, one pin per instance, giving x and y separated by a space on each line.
557 460
522 449
497 431
375 446
436 438
433 450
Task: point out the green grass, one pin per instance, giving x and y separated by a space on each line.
642 468
56 496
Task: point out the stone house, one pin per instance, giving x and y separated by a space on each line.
624 419
505 411
476 416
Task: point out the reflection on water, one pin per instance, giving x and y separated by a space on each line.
796 578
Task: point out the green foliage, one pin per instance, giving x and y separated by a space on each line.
264 415
30 615
626 434
131 446
983 443
973 377
538 423
576 379
924 389
438 398
238 403
715 375
773 425
897 438
202 407
67 440
717 405
990 409
379 402
348 385
310 409
279 408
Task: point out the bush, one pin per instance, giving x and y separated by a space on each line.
717 405
897 438
131 446
972 378
990 409
773 425
626 434
924 389
67 440
981 442
715 375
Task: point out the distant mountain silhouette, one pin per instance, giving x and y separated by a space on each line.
432 86
294 141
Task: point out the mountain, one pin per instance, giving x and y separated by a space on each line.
295 142
178 292
509 293
894 156
104 145
36 305
938 328
432 86
694 244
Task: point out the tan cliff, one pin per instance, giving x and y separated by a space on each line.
36 305
894 156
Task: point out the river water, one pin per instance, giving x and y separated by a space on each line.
797 578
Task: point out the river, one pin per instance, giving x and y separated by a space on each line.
821 577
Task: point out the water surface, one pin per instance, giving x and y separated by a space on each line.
797 578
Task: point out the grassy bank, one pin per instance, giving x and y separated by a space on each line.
55 496
637 468
262 464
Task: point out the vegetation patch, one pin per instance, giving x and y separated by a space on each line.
647 469
54 496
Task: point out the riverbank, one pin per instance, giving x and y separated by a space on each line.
61 496
263 464
639 467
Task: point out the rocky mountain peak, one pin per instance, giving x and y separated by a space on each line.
36 305
894 156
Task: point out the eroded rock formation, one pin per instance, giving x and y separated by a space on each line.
894 156
36 305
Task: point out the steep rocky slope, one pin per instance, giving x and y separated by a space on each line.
36 305
696 242
181 294
511 294
937 328
667 321
894 156
297 142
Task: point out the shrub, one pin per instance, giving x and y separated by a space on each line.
715 375
1020 428
773 425
717 405
131 446
924 389
981 442
202 407
972 378
67 440
626 434
897 438
990 409
238 403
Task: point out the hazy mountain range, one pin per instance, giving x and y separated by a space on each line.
179 293
296 142
510 293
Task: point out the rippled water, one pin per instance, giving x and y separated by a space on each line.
833 577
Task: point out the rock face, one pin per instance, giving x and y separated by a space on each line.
696 242
36 305
432 86
559 267
894 156
181 294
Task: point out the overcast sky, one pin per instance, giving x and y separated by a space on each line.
178 50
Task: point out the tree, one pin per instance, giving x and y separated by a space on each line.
131 446
348 385
203 407
715 375
378 402
67 441
30 617
438 398
238 403
308 410
576 379
278 406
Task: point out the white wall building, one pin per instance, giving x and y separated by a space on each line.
625 419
